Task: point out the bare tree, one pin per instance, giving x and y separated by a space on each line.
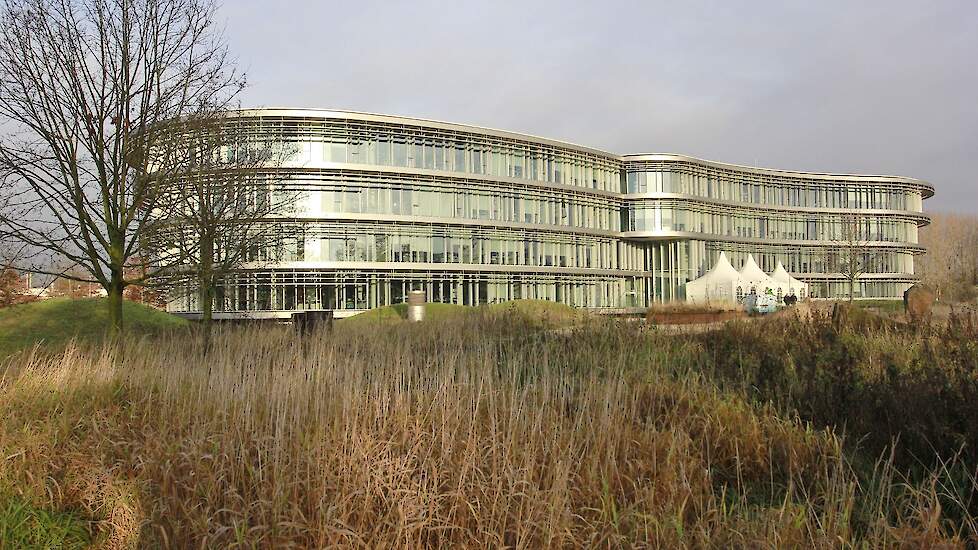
13 285
86 89
853 256
950 265
69 283
225 209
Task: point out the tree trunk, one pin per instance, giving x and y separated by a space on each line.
115 301
206 296
206 289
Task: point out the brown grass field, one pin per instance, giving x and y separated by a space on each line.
485 430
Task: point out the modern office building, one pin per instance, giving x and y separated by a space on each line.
472 216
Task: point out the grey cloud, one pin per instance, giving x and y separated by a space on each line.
871 87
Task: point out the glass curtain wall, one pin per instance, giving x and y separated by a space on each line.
474 216
774 191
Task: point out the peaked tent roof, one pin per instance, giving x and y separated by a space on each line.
716 284
780 274
722 269
721 272
751 271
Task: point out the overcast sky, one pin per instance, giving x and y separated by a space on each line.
888 87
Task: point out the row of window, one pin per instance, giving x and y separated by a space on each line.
863 289
383 247
842 195
469 248
802 261
463 204
291 291
457 156
300 143
586 213
286 292
756 225
674 263
344 242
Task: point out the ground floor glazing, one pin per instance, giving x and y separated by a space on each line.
659 275
337 290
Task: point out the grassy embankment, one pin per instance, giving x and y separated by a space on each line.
53 323
488 429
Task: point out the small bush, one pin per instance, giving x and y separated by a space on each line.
875 379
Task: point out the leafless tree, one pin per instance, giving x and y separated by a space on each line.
950 265
13 285
853 256
225 209
86 87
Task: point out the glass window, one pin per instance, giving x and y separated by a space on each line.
407 207
632 182
459 158
476 161
337 152
369 152
371 206
446 204
438 249
400 154
395 201
384 151
440 157
417 155
518 165
353 201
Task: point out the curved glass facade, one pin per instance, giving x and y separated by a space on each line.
761 187
471 216
743 221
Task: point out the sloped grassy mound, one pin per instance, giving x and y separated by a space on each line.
52 323
398 312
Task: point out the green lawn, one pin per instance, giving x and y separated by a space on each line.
56 321
398 312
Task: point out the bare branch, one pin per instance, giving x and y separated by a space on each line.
854 256
86 90
222 207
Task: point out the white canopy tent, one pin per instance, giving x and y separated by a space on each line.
795 286
719 284
723 283
753 278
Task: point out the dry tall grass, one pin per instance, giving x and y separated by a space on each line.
484 431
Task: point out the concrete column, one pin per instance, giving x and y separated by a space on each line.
415 311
